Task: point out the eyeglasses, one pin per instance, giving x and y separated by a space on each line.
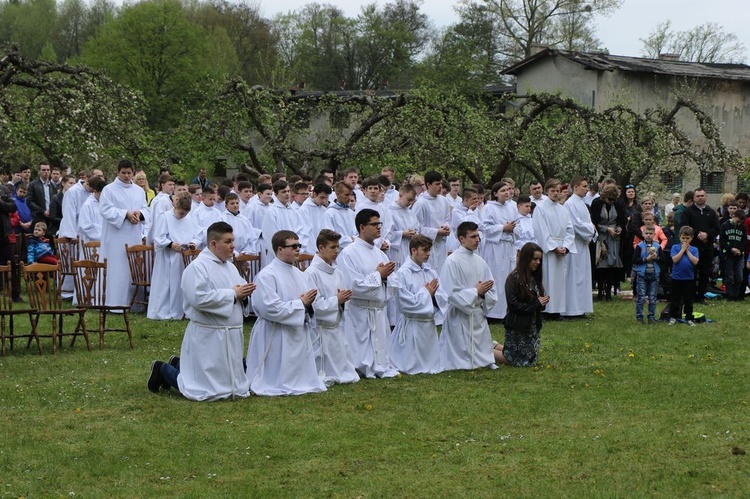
375 224
293 246
630 186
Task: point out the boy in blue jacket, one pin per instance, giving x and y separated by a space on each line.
39 248
646 266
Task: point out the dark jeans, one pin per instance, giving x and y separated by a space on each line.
683 292
703 271
734 276
169 375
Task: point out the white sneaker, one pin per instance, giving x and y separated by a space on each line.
672 322
690 323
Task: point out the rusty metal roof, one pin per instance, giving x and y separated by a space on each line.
606 62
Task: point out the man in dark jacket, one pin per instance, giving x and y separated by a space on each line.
705 223
41 191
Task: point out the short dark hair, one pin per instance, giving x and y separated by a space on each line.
231 197
223 191
241 177
363 217
218 229
420 241
277 176
341 186
183 201
468 191
300 186
125 163
279 185
432 176
464 228
244 184
279 239
686 230
97 183
322 187
523 199
265 187
370 182
193 188
209 190
577 180
687 197
327 236
164 178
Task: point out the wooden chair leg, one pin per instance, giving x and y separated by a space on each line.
82 325
127 326
35 332
102 327
54 335
2 333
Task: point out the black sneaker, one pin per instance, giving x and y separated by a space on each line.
174 361
155 381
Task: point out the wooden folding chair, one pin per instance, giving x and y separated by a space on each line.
188 255
67 251
91 292
7 330
248 264
90 250
41 280
141 263
304 261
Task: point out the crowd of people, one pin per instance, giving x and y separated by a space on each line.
391 263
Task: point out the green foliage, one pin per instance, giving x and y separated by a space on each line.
625 411
154 48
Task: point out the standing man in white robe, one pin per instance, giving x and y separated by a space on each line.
124 210
204 216
498 223
256 210
373 199
554 233
467 293
366 268
404 225
313 212
90 219
465 211
246 236
434 214
173 233
215 296
414 343
340 216
331 351
161 203
71 207
280 357
281 216
578 298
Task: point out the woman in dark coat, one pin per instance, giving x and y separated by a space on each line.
524 293
609 218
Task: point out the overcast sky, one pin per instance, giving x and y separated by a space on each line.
621 32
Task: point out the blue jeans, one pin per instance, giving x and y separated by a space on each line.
647 286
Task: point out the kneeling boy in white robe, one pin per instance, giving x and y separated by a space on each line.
414 343
466 294
215 298
331 351
280 357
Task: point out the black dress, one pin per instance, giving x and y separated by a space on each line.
523 324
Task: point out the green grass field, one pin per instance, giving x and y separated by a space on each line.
614 409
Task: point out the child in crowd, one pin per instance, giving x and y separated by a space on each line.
732 239
39 248
524 231
646 267
684 259
649 220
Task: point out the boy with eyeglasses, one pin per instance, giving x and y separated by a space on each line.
280 357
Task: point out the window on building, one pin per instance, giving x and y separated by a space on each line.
339 118
672 181
712 182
